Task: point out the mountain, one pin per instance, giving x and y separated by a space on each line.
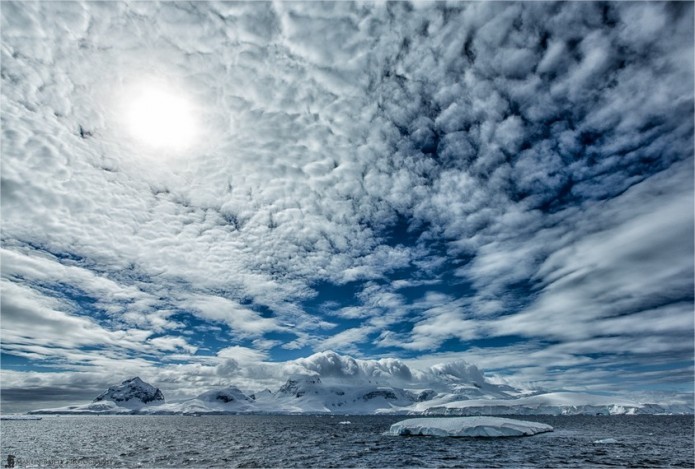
311 394
228 400
224 396
261 395
129 396
327 382
132 393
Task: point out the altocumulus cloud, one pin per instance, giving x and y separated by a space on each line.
508 183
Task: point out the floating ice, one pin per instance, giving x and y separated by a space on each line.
468 426
346 422
606 441
19 417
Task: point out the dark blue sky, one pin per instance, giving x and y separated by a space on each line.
504 183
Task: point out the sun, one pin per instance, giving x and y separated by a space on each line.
160 117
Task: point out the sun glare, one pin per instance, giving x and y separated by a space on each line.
160 118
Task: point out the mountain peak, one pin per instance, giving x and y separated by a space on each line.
226 395
133 392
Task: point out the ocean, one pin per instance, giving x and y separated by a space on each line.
323 441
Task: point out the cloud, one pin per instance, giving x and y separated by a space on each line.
172 344
616 271
32 319
624 271
242 320
242 354
445 174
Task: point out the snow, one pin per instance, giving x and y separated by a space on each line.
551 403
217 401
226 395
262 395
488 427
107 407
309 394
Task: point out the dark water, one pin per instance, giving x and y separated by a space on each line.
320 441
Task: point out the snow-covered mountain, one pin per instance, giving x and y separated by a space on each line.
132 393
301 394
330 383
228 400
551 403
130 396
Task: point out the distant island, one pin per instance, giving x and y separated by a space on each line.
454 389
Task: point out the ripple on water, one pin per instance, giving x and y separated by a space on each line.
308 441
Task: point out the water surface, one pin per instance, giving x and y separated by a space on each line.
320 441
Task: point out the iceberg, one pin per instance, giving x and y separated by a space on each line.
606 441
487 427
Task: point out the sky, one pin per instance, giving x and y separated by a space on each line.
204 194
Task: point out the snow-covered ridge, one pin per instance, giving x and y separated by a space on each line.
225 396
330 383
550 403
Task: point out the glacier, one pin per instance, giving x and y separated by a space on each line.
485 427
